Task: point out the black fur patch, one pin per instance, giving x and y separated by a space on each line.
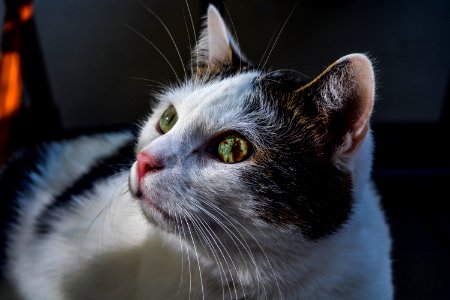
292 171
115 163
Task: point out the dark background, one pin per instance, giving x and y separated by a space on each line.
93 61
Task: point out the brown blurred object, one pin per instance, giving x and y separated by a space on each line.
22 70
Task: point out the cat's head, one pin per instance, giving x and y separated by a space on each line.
236 151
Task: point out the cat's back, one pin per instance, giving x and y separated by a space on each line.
52 198
38 180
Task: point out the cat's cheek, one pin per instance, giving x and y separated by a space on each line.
133 180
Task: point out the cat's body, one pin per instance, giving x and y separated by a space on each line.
288 212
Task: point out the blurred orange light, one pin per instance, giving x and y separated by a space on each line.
10 84
26 12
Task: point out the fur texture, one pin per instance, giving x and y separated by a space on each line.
298 218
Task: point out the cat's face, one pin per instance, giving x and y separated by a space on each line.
191 177
240 151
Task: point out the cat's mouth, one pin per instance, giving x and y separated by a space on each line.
152 210
151 207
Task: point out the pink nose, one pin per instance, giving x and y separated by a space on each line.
147 163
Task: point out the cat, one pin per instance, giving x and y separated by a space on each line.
241 184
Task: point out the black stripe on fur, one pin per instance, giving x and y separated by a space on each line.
109 166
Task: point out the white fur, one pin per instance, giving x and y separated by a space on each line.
106 249
106 246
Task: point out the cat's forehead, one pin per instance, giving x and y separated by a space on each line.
222 94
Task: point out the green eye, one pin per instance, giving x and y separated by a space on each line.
233 148
168 119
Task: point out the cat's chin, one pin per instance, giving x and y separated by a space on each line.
153 207
154 213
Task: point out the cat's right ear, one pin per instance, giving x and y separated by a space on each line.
216 47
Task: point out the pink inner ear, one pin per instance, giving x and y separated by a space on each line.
362 73
218 41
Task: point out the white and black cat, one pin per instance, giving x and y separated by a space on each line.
242 184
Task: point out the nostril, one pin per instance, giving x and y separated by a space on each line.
147 168
147 163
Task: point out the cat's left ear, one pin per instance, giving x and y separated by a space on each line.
343 97
216 47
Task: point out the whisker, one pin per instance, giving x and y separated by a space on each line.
217 240
234 238
246 247
189 39
178 231
149 80
168 32
290 70
216 256
279 33
100 217
222 272
154 47
268 46
234 30
193 27
197 256
188 258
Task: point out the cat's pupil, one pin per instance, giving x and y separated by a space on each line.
168 119
233 148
